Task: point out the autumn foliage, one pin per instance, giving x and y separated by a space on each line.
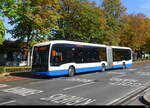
79 20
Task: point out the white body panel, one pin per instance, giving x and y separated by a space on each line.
80 67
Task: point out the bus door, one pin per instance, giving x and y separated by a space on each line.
109 57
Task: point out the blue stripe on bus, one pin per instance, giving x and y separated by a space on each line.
65 71
128 65
40 73
117 66
78 70
52 73
58 72
120 66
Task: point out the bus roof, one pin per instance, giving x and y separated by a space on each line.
68 42
119 47
80 43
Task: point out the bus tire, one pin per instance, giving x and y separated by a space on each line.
124 65
103 68
71 71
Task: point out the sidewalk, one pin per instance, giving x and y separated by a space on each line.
8 77
15 76
20 76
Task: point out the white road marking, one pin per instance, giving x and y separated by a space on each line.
131 69
144 73
115 72
22 91
113 101
147 66
129 93
116 77
39 82
7 102
80 80
78 86
119 76
68 99
3 85
125 82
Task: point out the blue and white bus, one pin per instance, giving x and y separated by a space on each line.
60 57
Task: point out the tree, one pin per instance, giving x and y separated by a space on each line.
146 47
80 20
2 28
114 11
136 32
32 19
2 32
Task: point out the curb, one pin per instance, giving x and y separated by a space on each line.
4 74
145 99
147 96
142 100
141 62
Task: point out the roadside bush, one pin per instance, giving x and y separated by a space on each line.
148 57
14 69
2 69
144 59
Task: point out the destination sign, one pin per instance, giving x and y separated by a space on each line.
41 48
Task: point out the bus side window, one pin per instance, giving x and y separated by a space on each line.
68 55
57 56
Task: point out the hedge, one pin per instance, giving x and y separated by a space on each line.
4 69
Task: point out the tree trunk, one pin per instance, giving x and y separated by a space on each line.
28 49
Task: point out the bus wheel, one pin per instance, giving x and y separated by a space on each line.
103 68
71 71
124 66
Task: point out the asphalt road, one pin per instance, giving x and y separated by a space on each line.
94 88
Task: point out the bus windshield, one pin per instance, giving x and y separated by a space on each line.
40 57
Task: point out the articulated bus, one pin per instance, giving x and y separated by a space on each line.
60 57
